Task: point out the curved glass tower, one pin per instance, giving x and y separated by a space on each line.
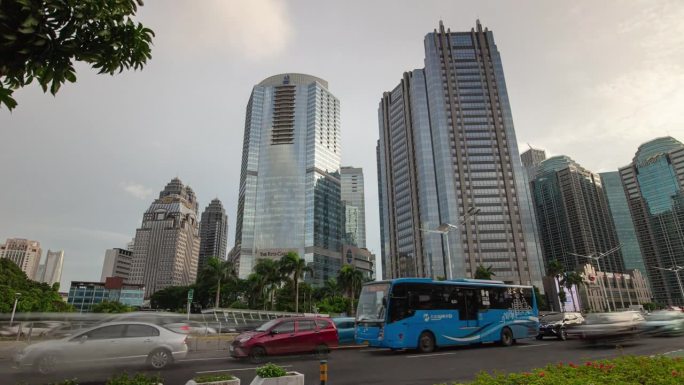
289 197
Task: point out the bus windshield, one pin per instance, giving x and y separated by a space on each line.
372 302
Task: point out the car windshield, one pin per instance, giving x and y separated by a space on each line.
552 318
372 302
267 325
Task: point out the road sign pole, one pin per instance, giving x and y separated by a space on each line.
190 293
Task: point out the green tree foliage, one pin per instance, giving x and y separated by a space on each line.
171 298
35 296
41 39
350 281
484 272
216 272
542 303
111 307
291 265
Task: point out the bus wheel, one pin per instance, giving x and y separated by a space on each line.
426 343
506 337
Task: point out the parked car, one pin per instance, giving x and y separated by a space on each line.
557 324
286 336
191 327
346 327
664 323
110 343
609 327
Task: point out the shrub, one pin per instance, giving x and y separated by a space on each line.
65 382
270 370
624 370
213 378
138 379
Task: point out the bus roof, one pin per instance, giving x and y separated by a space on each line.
457 281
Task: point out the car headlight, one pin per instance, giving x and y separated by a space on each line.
244 339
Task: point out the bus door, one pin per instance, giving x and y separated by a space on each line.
469 308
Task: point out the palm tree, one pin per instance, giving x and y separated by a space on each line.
269 276
331 288
292 265
218 271
570 279
484 272
555 269
349 280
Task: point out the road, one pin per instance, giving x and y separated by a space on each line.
371 366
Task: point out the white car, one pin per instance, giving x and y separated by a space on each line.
110 343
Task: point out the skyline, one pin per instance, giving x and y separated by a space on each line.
611 67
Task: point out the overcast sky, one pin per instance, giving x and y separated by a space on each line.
588 79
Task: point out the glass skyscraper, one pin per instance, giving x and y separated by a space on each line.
289 198
447 143
352 193
653 183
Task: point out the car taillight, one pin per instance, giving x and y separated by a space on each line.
185 327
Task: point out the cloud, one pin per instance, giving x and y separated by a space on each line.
137 190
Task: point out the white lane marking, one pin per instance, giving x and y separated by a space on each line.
532 346
430 355
236 370
203 359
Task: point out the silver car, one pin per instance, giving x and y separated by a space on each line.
664 323
609 327
109 343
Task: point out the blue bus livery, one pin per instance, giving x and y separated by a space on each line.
421 313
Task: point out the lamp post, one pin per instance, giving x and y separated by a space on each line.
597 258
675 269
14 308
444 230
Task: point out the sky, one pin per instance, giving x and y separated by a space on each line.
591 80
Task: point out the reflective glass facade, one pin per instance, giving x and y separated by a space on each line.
619 210
289 198
447 143
653 183
352 192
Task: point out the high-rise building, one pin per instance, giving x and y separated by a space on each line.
654 184
622 219
24 253
213 233
289 198
447 145
353 201
531 159
166 245
573 215
117 263
52 270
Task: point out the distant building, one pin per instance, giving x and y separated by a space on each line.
448 145
622 289
573 216
353 201
24 253
52 270
213 233
654 184
289 195
117 263
531 159
362 260
84 295
166 246
622 219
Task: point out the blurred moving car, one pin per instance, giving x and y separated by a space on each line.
346 326
190 327
110 343
609 327
557 324
286 336
664 323
35 329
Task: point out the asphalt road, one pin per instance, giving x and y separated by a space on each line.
371 366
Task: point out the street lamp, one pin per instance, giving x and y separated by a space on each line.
444 230
675 269
598 265
14 308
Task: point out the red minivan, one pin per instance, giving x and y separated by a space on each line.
286 336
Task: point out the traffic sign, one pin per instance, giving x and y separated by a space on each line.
190 292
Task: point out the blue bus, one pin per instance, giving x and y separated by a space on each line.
423 314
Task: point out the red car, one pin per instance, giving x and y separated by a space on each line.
286 336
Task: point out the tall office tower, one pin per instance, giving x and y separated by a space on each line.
166 245
353 201
117 263
622 219
24 253
52 270
654 184
447 145
289 197
531 159
573 215
213 233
